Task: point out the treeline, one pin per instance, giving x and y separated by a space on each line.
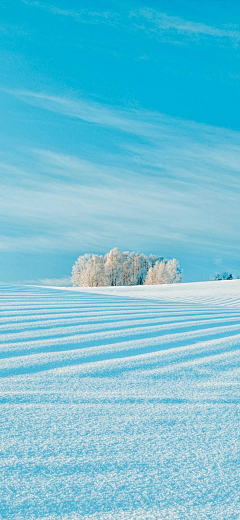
117 268
224 276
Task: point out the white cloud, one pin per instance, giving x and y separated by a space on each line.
65 281
178 183
82 15
91 112
146 19
158 21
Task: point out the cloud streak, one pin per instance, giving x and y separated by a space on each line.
90 112
83 16
65 281
158 21
149 20
165 181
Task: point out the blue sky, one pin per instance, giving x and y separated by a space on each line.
120 126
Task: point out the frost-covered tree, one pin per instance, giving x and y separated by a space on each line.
95 274
113 267
79 269
89 271
164 272
173 271
140 266
153 259
156 274
126 268
117 268
150 278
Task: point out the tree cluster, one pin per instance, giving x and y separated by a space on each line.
224 276
117 268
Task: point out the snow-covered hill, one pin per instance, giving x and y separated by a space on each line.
120 403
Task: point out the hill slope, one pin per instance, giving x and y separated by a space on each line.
118 407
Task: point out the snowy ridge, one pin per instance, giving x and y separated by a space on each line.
221 293
118 407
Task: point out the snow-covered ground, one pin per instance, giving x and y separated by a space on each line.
120 403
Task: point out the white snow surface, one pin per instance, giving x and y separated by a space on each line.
120 403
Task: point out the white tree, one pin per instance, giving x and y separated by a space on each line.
156 274
89 271
153 259
167 271
140 266
160 269
125 268
95 273
173 271
79 269
113 267
150 278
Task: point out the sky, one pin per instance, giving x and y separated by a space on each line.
120 127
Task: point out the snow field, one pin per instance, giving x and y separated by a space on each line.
118 407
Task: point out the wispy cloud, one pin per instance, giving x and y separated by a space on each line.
165 181
65 281
82 15
137 122
158 21
130 121
151 21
